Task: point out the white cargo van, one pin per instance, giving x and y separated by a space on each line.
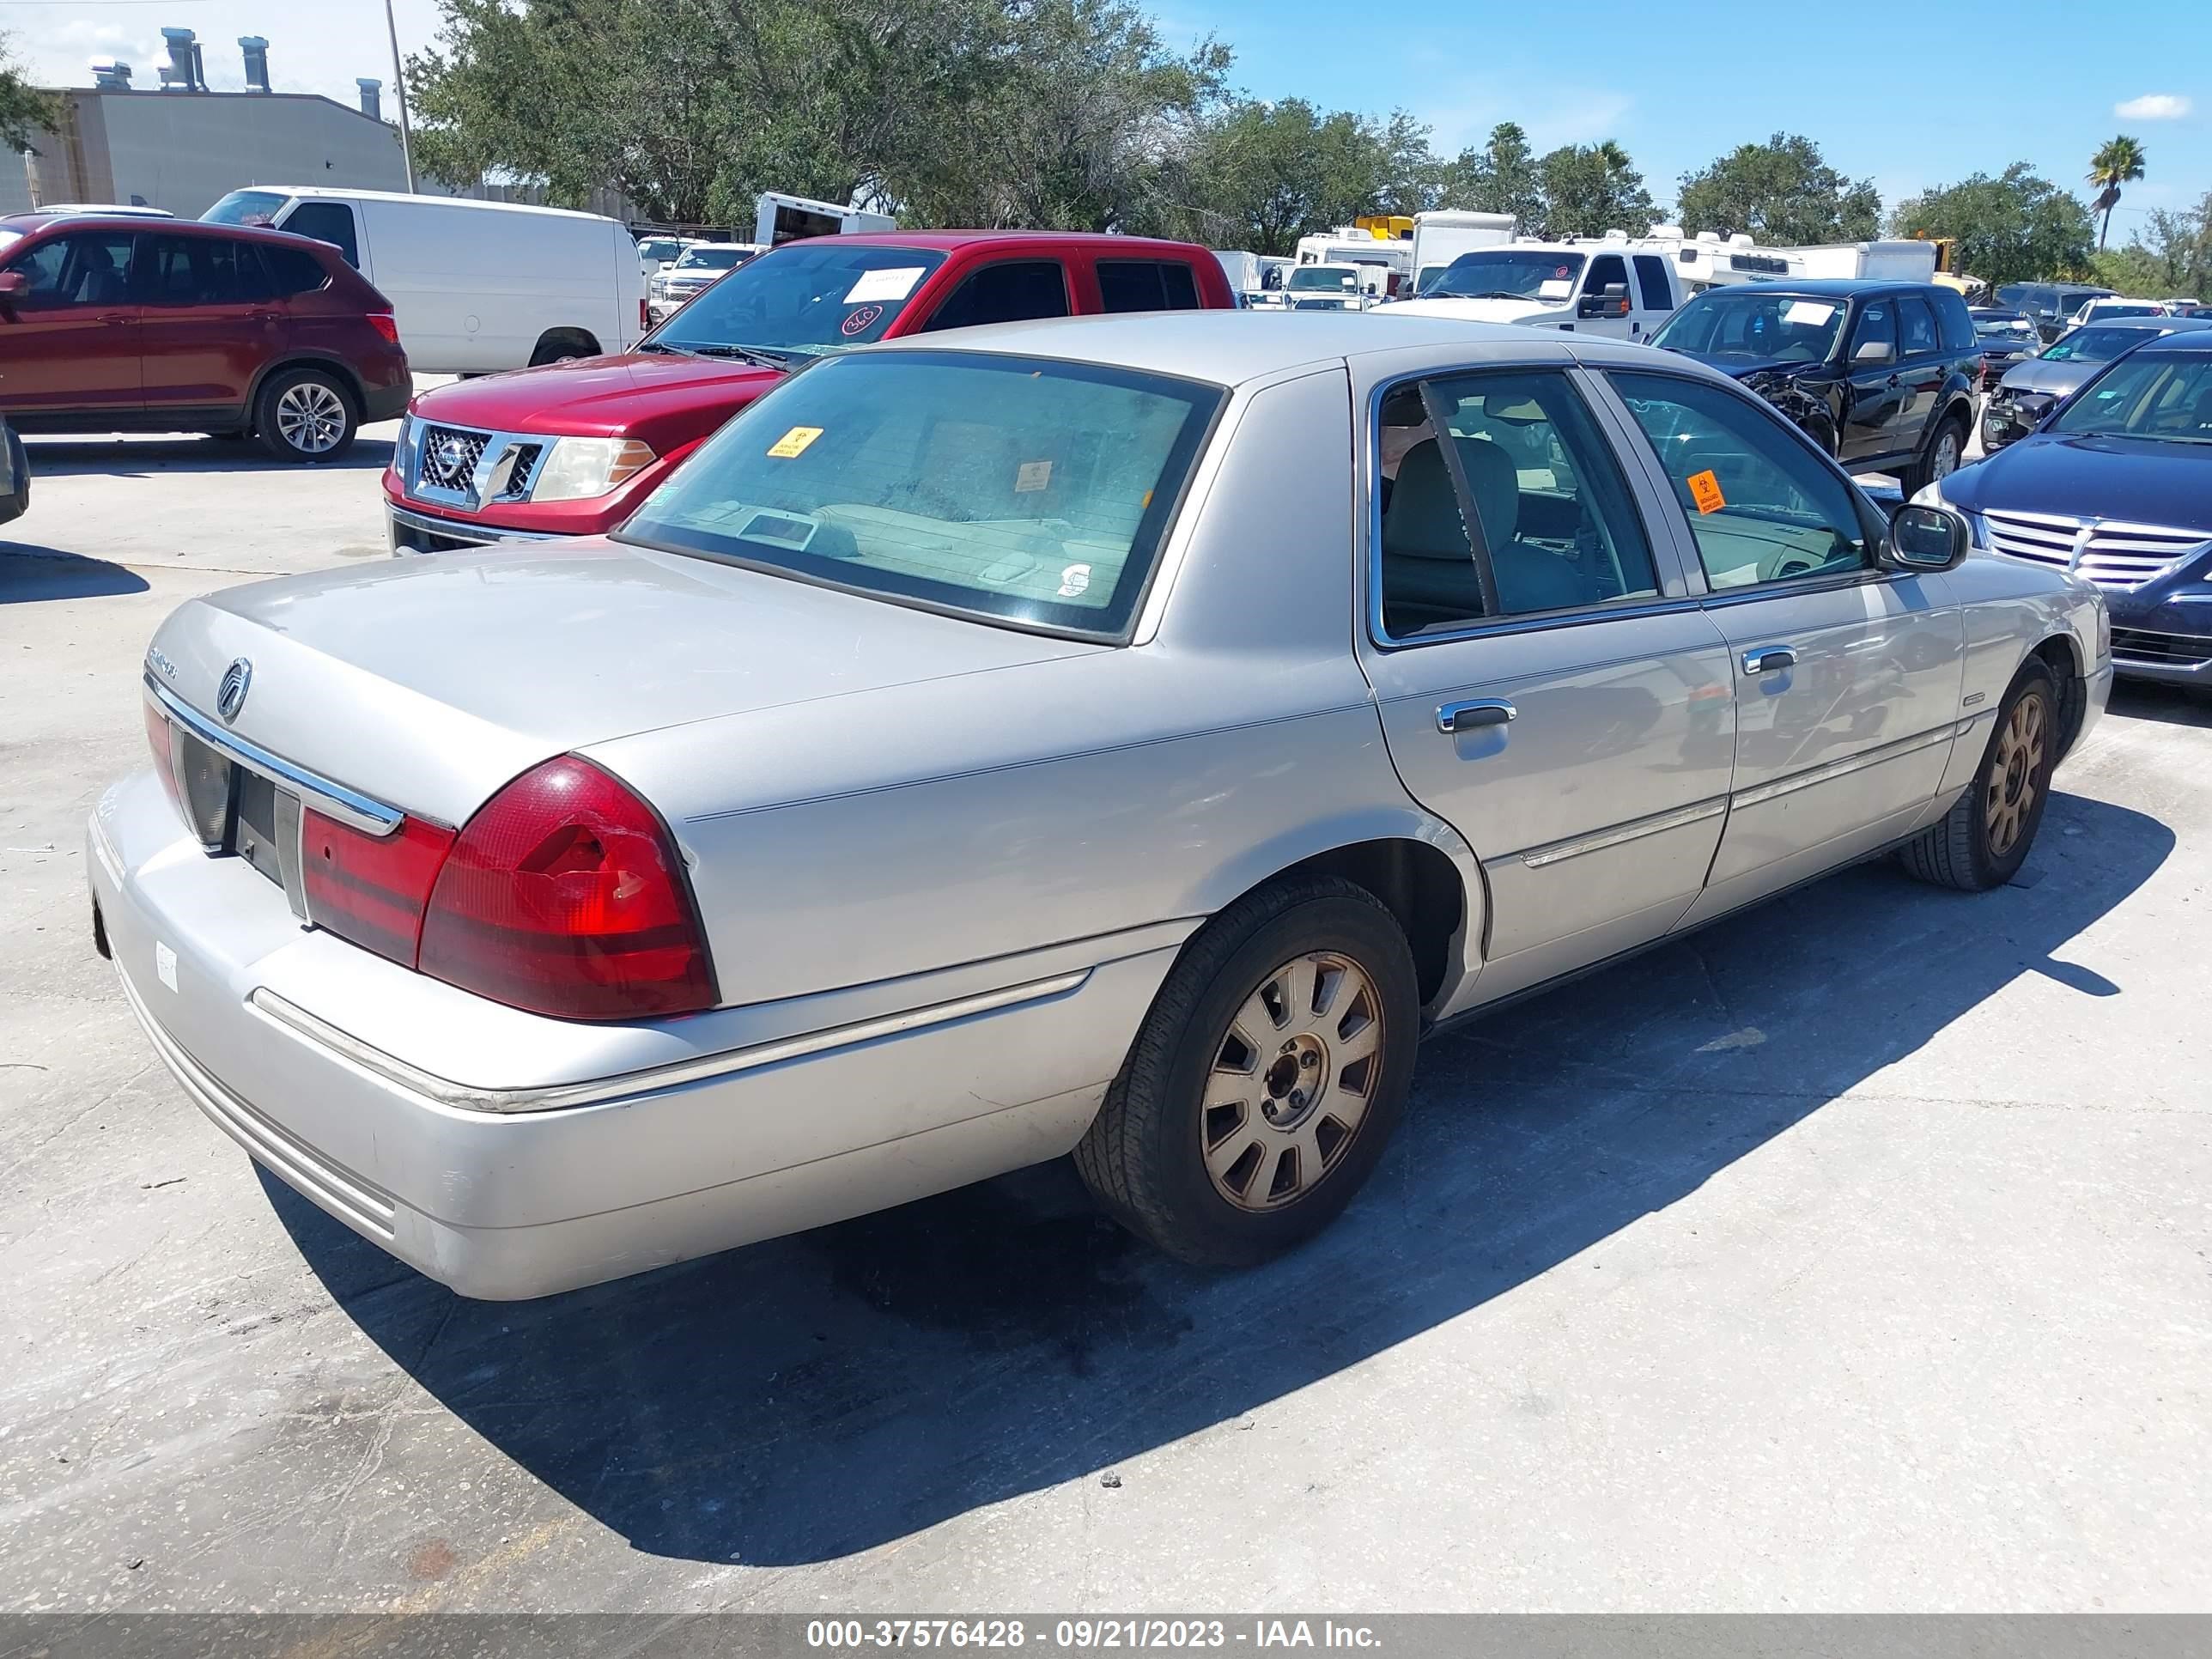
476 287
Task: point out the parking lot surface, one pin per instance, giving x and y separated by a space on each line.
1855 1254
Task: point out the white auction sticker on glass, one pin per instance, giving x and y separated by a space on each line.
1810 311
1554 288
894 284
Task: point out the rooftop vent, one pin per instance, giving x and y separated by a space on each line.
183 72
111 76
257 62
372 97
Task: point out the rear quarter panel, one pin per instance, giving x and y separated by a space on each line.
865 838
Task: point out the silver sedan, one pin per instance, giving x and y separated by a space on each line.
1123 737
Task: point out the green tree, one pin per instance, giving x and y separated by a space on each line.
1502 177
1780 193
2118 161
2012 228
23 108
2170 255
1589 189
1262 174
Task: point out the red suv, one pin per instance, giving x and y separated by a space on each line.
112 324
571 449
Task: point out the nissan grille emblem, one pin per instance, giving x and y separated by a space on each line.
450 456
230 695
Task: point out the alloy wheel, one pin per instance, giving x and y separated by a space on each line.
2013 774
1945 461
311 417
1292 1081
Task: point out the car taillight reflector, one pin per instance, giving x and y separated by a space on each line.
371 888
386 324
565 895
165 756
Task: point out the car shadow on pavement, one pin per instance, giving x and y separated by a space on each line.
140 458
817 1396
30 572
2173 705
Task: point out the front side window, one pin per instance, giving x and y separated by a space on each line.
1748 324
1014 489
1011 291
808 300
327 222
1877 326
89 270
1762 507
1608 271
1146 285
2164 396
1505 273
1516 456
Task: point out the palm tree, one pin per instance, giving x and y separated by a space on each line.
2117 161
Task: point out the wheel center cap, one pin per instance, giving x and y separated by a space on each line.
1293 1080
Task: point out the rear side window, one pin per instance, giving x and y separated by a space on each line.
197 270
1012 291
327 222
1146 285
1954 322
1920 326
293 270
1652 276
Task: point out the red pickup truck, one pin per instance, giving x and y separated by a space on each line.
571 448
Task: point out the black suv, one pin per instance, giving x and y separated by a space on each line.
2052 304
1881 374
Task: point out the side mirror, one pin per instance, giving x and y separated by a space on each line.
13 284
1874 351
1926 538
1610 302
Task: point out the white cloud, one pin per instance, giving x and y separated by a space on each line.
2154 106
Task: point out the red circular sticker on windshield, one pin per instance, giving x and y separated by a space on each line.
857 321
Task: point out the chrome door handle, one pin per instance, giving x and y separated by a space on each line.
1466 716
1768 658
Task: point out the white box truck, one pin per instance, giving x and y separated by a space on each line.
476 287
778 219
1905 260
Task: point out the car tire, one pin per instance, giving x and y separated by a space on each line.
1982 842
305 414
16 505
1204 1143
1946 452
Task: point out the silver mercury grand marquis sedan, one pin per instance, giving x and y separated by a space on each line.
1124 737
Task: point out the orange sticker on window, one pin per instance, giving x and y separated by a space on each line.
1706 491
794 441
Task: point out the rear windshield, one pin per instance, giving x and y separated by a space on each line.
2163 396
1754 325
2092 344
804 300
1016 490
247 207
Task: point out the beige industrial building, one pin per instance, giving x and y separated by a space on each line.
183 147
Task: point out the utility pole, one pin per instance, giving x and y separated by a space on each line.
399 86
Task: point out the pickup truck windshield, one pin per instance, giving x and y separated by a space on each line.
1334 279
1012 489
246 206
2166 398
1505 273
1752 324
712 258
805 300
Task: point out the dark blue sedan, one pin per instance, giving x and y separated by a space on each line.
2115 484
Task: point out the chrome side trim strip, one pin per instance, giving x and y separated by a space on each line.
463 1097
348 807
1848 764
1535 858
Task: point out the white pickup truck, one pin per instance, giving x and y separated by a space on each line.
1620 288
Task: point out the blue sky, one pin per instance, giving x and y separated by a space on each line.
1910 95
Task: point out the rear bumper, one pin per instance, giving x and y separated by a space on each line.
651 1166
389 402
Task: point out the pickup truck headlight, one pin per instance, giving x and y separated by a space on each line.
579 468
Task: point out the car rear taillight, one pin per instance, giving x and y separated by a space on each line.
371 888
565 895
386 324
159 740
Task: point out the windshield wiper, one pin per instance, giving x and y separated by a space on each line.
1491 294
663 345
754 355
